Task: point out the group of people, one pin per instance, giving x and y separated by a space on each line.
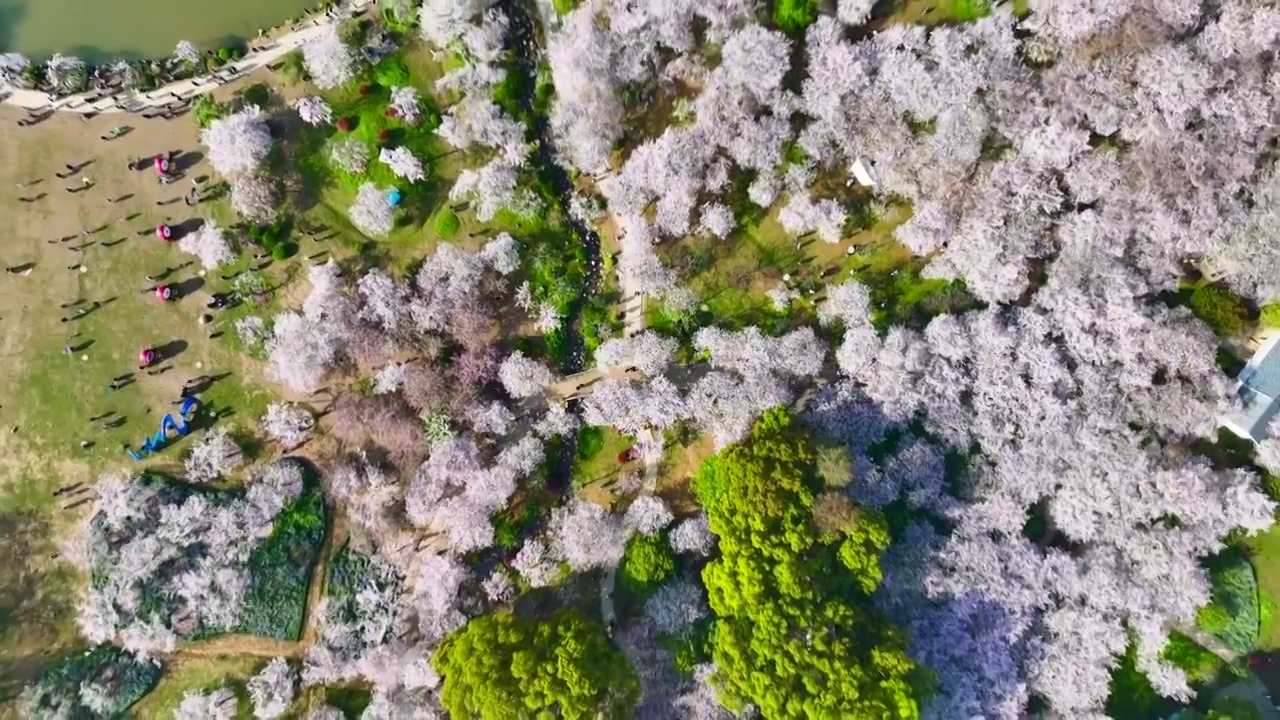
79 308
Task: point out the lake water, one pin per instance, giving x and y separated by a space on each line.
99 30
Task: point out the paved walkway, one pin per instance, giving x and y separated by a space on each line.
133 100
633 320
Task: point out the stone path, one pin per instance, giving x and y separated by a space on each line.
133 100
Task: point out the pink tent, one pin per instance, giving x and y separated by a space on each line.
163 293
162 164
146 356
164 232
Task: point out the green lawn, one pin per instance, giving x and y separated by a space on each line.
1265 556
199 673
597 459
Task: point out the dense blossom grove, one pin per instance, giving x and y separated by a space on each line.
964 466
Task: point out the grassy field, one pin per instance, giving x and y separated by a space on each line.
1265 556
199 673
49 396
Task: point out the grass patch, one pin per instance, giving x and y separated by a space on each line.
190 672
279 569
1264 555
597 454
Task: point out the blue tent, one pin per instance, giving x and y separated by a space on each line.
394 198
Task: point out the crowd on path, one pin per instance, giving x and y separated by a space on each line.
177 94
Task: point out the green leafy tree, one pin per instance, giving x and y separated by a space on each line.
795 631
1270 315
795 15
1220 308
206 108
647 562
501 666
835 467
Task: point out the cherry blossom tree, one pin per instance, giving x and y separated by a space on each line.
13 70
535 564
749 352
218 704
586 536
648 352
676 606
558 422
633 407
403 163
327 58
390 378
854 12
238 143
209 245
313 110
213 456
502 253
693 536
848 303
647 515
495 186
493 418
523 377
349 154
717 219
254 198
66 74
498 587
187 52
272 690
300 350
547 318
372 211
443 21
287 424
407 104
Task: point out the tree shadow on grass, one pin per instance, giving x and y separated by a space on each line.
301 160
31 607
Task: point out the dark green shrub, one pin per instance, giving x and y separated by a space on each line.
590 442
281 566
1271 486
1235 596
1220 308
283 251
122 677
226 53
647 562
257 94
447 224
1132 696
510 524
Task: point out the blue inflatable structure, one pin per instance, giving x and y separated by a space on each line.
157 442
